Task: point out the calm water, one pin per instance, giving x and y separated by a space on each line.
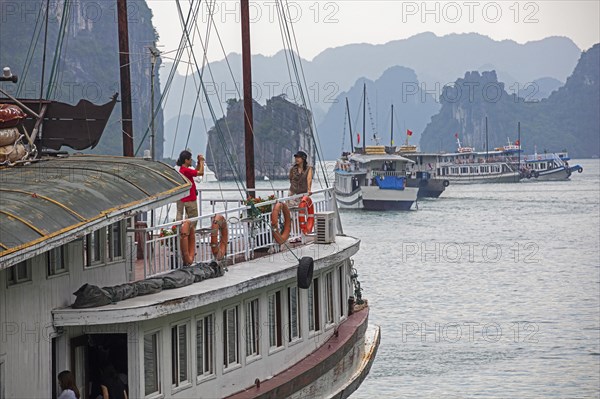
489 291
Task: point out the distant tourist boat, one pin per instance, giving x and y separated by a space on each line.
467 166
423 173
374 181
548 166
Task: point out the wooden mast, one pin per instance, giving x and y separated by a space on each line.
247 81
126 111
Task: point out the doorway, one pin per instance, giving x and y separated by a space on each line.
91 354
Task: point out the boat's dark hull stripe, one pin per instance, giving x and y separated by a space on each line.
377 205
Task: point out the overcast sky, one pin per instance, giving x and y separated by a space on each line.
323 24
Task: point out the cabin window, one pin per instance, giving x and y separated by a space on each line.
252 328
293 314
464 170
275 327
19 273
104 245
56 261
329 304
179 354
151 362
115 240
231 352
314 319
341 291
542 165
92 251
205 346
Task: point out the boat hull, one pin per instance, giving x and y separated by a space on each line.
478 179
428 188
558 174
335 370
376 199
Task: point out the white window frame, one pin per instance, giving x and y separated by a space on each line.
105 248
275 322
294 335
208 342
342 294
313 307
176 367
252 329
227 365
158 335
51 267
10 282
329 302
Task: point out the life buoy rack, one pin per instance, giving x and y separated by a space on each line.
219 237
187 242
281 236
306 215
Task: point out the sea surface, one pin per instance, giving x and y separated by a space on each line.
490 291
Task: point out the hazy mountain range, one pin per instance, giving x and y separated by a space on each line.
533 68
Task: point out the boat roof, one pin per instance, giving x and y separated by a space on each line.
46 203
366 158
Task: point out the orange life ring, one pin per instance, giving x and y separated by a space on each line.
219 246
306 217
281 236
187 241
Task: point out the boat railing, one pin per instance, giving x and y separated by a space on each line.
388 173
246 234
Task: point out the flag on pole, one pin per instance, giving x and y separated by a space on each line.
517 142
408 132
357 137
456 135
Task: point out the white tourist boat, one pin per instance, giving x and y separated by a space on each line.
374 181
547 167
467 166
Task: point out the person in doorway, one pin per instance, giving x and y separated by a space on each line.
66 381
189 203
300 175
112 386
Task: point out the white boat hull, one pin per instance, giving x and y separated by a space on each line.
374 198
478 179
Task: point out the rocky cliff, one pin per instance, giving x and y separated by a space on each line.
280 129
86 65
568 119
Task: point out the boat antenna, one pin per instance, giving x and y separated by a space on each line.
247 78
350 125
519 140
392 128
126 111
364 118
486 139
44 53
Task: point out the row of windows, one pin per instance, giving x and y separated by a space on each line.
233 340
100 247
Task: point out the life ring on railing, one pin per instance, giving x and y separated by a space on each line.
187 242
306 215
446 183
218 245
580 169
281 236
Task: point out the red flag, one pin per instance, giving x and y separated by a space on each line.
408 132
517 142
358 138
456 135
